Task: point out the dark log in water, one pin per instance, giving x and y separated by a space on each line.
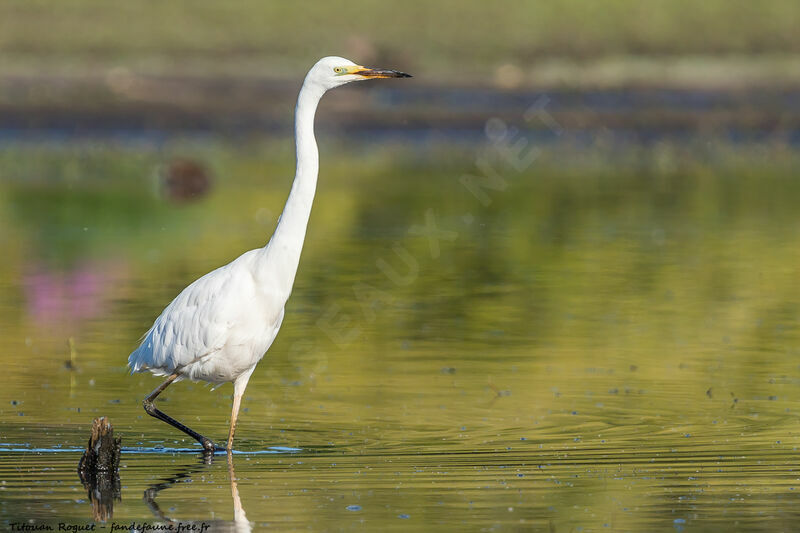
99 469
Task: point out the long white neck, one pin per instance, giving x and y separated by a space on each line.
282 253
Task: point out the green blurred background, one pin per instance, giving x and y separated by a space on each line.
607 324
449 40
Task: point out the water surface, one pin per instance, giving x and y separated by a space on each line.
595 346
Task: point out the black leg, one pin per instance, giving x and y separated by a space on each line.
150 409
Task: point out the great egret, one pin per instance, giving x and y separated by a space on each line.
219 327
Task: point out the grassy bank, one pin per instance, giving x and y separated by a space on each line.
507 42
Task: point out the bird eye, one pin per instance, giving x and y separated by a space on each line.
338 70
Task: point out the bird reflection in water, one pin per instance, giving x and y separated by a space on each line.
239 524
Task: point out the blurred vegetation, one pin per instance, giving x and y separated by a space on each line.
624 254
442 40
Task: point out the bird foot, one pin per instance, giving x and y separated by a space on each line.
210 447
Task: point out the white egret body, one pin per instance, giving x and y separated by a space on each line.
219 327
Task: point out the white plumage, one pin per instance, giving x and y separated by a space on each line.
215 329
219 327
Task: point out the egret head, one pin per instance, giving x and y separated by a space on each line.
332 71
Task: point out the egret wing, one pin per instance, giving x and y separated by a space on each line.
197 323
